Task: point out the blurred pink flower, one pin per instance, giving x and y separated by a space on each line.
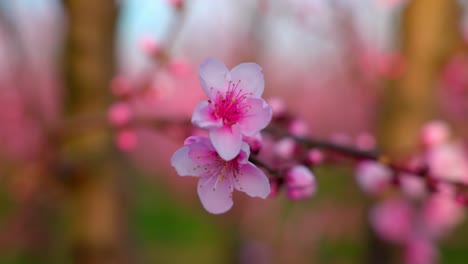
234 107
434 133
218 177
285 147
442 213
300 183
119 114
448 161
126 140
392 220
420 250
149 46
372 176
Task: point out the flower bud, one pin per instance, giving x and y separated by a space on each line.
300 183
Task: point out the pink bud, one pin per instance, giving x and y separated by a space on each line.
434 133
392 220
119 114
126 140
255 142
372 176
274 188
278 106
298 128
149 46
315 156
285 148
413 186
300 183
365 141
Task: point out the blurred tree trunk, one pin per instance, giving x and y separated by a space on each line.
429 35
95 201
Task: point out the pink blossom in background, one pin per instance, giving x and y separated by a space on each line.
365 141
255 142
441 213
217 177
298 128
448 161
149 46
285 148
119 114
434 133
278 106
392 220
300 183
126 140
315 156
372 176
234 107
412 186
420 250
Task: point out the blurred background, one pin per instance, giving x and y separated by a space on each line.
79 185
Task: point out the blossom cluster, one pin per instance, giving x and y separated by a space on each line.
233 112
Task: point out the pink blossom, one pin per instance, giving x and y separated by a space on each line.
234 107
149 46
255 142
285 148
392 220
126 140
420 250
365 141
412 185
448 161
217 177
441 213
300 183
278 106
119 114
372 176
315 156
434 133
298 128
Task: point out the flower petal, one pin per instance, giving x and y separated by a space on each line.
184 164
227 141
215 195
251 78
212 74
203 116
256 118
252 181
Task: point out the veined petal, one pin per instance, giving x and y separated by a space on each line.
256 118
212 74
215 195
203 116
251 78
183 164
227 141
252 181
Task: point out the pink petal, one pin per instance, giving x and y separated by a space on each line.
252 181
244 153
251 77
227 141
203 116
215 195
212 74
256 118
184 164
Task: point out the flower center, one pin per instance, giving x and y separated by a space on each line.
230 107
